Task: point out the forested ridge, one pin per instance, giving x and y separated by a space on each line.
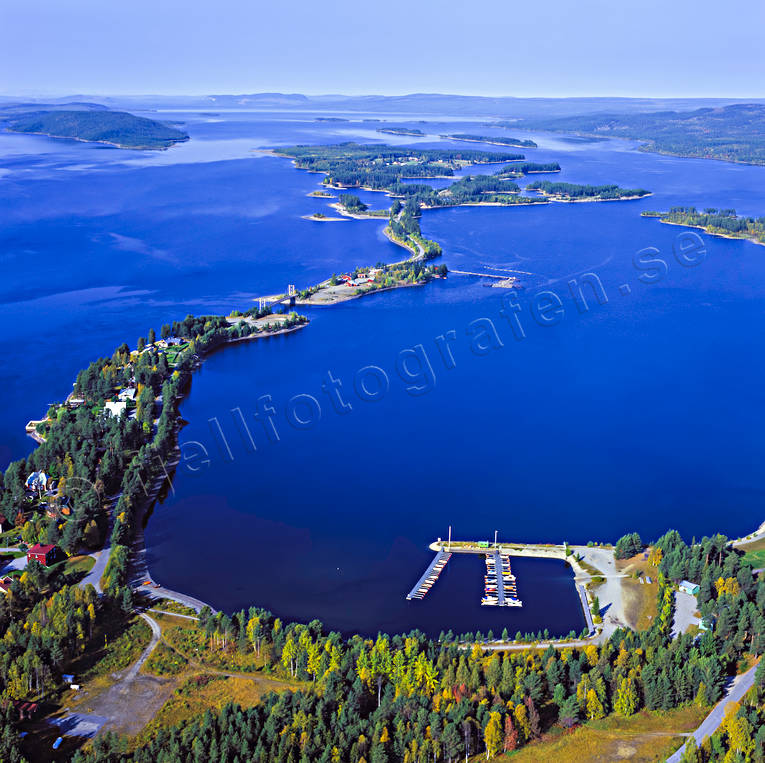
733 133
117 127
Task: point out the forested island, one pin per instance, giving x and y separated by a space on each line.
733 133
498 141
114 128
717 222
385 168
413 131
576 192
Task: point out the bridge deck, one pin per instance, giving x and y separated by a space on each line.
423 585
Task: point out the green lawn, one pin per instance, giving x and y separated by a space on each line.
754 552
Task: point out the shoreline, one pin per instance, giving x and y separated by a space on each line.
323 219
708 232
173 142
487 142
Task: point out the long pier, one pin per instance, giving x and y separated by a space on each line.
482 275
425 583
499 583
500 580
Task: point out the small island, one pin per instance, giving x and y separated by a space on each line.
362 281
518 142
576 192
386 168
113 128
321 195
717 222
413 131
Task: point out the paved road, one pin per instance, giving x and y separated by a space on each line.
156 635
15 564
739 686
94 576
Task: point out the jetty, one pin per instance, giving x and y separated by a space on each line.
499 583
425 583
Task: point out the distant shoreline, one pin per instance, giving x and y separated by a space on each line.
171 141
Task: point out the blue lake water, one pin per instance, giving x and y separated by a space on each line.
644 412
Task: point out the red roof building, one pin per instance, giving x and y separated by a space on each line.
45 554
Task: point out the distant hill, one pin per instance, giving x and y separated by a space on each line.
432 104
96 125
735 133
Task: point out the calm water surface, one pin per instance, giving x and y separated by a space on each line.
644 412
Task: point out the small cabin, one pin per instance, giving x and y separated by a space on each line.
687 587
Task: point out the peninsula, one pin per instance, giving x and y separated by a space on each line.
576 192
734 133
113 128
717 222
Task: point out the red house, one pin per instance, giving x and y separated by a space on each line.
45 554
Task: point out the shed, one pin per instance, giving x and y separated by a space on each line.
687 587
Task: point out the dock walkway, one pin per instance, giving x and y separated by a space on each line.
500 580
430 576
585 606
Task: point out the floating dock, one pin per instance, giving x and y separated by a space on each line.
499 583
425 583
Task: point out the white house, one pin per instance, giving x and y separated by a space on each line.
37 481
127 394
115 409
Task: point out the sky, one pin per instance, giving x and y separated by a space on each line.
652 48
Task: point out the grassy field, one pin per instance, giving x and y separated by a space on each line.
165 661
639 598
754 552
201 692
79 565
644 737
190 641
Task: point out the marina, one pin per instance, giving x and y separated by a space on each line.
499 583
425 583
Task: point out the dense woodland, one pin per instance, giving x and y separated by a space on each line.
354 165
721 222
573 191
117 127
409 698
735 133
385 168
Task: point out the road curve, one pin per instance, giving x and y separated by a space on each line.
156 635
739 686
